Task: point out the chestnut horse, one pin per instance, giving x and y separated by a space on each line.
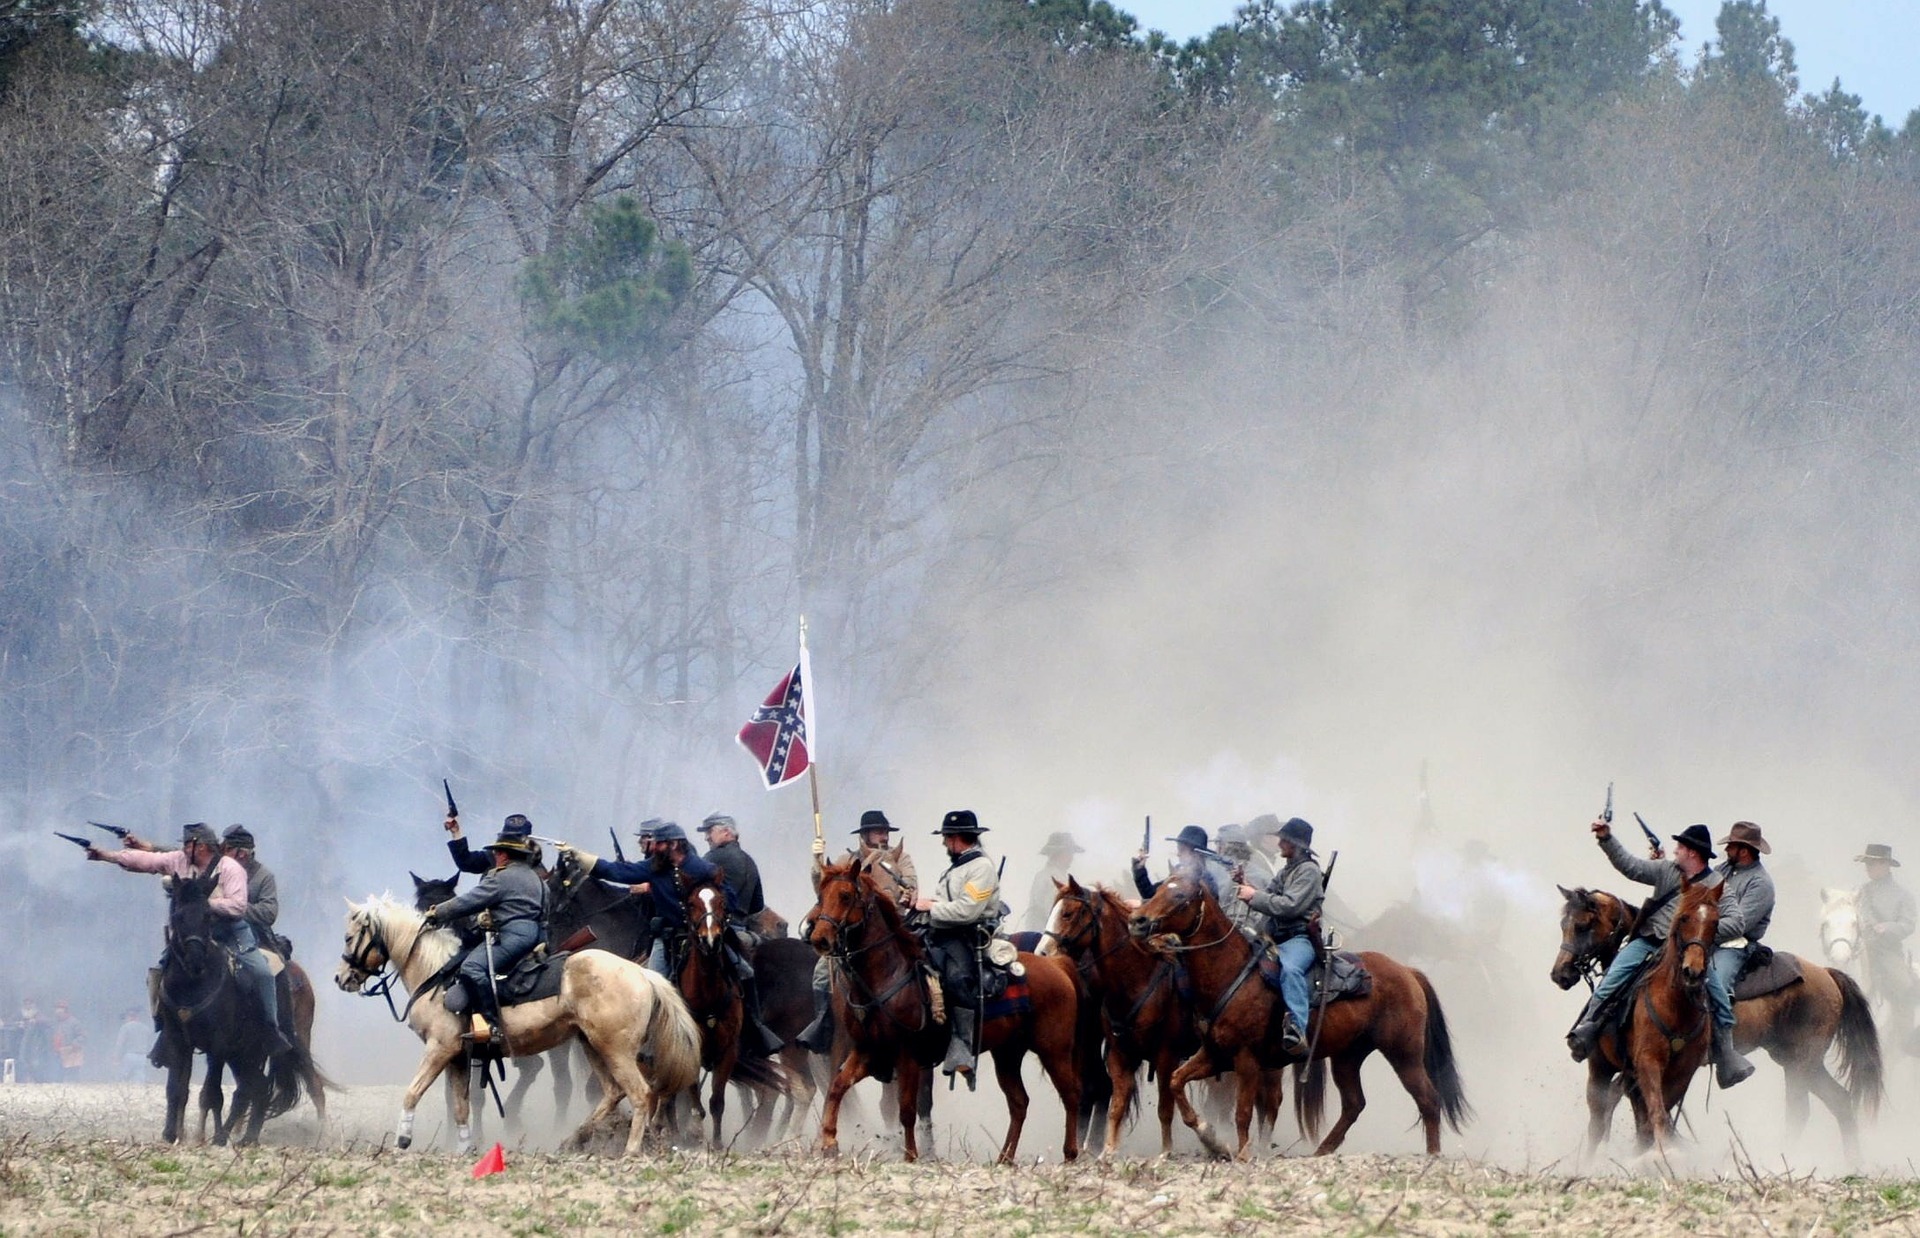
1141 1013
885 1013
1239 1018
1797 1026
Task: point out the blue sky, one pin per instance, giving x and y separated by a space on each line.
1872 46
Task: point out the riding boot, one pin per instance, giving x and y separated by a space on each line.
1729 1066
960 1060
1585 1033
817 1036
1292 1040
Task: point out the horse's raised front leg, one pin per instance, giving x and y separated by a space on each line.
439 1055
1199 1066
1125 1083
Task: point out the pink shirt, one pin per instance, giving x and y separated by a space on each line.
228 899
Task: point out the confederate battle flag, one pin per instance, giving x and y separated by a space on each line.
776 735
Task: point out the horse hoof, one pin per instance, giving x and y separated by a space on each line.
404 1142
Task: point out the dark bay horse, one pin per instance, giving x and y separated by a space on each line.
1238 1019
1798 1026
885 1010
285 1086
202 1007
712 990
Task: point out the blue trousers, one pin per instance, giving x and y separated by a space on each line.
513 942
1625 965
657 957
1296 957
237 936
1721 970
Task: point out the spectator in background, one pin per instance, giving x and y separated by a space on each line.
130 1046
35 1063
69 1042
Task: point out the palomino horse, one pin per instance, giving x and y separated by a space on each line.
1401 1018
202 1007
639 1039
886 1013
712 991
1798 1026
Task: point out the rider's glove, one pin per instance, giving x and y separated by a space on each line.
819 847
432 918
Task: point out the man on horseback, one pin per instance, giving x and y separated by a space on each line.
670 869
962 914
481 862
1693 851
1746 909
263 910
515 900
1290 903
1058 853
1263 841
875 849
1192 855
200 851
1886 921
743 875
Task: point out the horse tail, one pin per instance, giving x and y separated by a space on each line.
1310 1096
1861 1070
1441 1070
672 1036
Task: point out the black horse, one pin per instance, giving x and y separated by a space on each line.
203 1007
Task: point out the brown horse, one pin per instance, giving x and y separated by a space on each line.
885 1011
1239 1018
711 988
1141 1013
1798 1026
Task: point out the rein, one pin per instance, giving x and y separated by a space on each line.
844 953
380 979
1163 968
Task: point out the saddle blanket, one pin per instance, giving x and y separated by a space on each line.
1014 999
1344 977
1758 978
534 978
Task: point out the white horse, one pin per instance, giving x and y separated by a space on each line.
640 1040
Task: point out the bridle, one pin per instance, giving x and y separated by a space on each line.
843 951
1145 926
1585 954
378 978
1088 933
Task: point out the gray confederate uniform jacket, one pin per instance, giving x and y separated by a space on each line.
512 892
967 894
1746 902
1883 902
1292 898
1665 878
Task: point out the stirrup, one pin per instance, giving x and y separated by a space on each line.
479 1031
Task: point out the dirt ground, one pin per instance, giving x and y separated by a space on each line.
83 1160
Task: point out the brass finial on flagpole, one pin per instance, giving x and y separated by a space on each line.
813 766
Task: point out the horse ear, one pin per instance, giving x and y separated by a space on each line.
1059 885
1564 892
417 882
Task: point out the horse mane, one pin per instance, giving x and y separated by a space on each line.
432 947
1111 897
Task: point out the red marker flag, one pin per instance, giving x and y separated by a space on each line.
494 1162
777 736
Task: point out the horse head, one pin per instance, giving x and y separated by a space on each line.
1074 923
850 899
432 891
1694 923
706 904
1840 926
1177 909
365 953
1593 926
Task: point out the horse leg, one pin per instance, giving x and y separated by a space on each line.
1353 1099
1838 1101
179 1082
722 1074
911 1075
1246 1075
251 1092
610 1096
1163 1067
1006 1067
1125 1084
527 1071
799 1064
1601 1099
213 1103
1267 1102
629 1081
1063 1068
1199 1066
1410 1064
851 1072
1799 1099
438 1057
562 1060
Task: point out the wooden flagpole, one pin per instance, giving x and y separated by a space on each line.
813 766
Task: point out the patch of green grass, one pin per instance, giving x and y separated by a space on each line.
682 1214
342 1178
